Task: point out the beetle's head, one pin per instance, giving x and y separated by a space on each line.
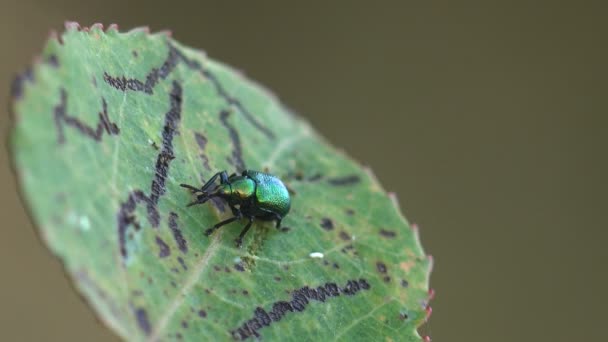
222 190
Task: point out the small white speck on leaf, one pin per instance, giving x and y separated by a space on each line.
316 255
84 223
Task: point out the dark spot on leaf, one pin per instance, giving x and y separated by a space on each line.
202 313
336 266
201 141
216 268
52 61
285 229
327 223
182 244
300 299
62 118
226 269
277 278
346 180
344 236
381 267
184 324
387 279
135 54
403 316
315 177
142 320
245 292
404 283
239 267
182 263
388 233
164 250
350 212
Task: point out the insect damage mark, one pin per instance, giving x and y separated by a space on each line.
19 82
62 118
221 91
237 152
164 250
182 244
235 102
142 320
327 223
125 216
381 267
123 83
155 75
300 299
346 180
201 141
52 61
389 234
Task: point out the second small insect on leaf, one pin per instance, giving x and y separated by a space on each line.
251 195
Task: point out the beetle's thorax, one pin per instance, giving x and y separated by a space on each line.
242 188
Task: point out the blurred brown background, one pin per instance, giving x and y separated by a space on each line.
488 120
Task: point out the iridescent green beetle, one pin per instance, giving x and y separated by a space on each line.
251 195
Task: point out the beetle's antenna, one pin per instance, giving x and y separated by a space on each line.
190 187
202 198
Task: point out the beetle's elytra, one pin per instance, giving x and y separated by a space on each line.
251 195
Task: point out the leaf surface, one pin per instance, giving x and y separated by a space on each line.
106 127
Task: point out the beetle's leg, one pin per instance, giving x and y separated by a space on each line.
278 218
239 240
220 224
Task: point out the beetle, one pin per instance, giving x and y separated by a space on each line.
251 195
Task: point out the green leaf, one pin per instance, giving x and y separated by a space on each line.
106 127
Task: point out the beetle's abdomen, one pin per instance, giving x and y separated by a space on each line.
271 193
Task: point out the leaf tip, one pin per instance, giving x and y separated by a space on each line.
72 26
112 28
141 29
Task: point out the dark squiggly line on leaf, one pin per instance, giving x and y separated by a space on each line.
123 83
237 152
221 91
125 215
155 75
201 141
299 300
62 118
182 244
